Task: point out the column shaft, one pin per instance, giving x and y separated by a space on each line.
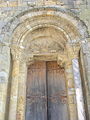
22 92
78 89
71 91
14 90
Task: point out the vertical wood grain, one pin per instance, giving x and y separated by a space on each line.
57 106
36 108
46 92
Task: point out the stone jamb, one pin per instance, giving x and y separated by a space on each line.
84 64
78 89
78 82
73 56
21 101
14 90
70 88
71 92
22 84
16 56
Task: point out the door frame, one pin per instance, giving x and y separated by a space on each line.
70 41
75 33
71 66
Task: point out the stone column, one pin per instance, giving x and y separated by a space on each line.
86 61
14 88
85 84
4 78
78 89
70 91
73 54
21 103
22 92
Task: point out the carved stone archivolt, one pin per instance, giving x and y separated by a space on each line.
45 35
41 42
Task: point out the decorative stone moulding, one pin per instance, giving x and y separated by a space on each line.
29 37
60 18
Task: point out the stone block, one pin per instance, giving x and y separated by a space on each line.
3 77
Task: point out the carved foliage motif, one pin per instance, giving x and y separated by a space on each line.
46 39
45 46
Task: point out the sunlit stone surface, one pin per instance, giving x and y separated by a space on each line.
78 89
44 30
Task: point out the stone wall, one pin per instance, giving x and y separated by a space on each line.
9 9
4 78
8 20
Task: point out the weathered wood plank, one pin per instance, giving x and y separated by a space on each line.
36 104
57 109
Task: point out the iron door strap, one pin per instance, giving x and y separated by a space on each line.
55 98
59 97
36 98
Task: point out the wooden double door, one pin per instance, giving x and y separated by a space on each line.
46 92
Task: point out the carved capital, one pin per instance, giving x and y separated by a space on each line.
16 52
30 59
73 51
61 59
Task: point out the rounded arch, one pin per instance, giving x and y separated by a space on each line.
71 27
56 16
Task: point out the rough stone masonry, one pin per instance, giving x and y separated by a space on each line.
64 26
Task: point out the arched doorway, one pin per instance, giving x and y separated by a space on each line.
46 97
55 35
